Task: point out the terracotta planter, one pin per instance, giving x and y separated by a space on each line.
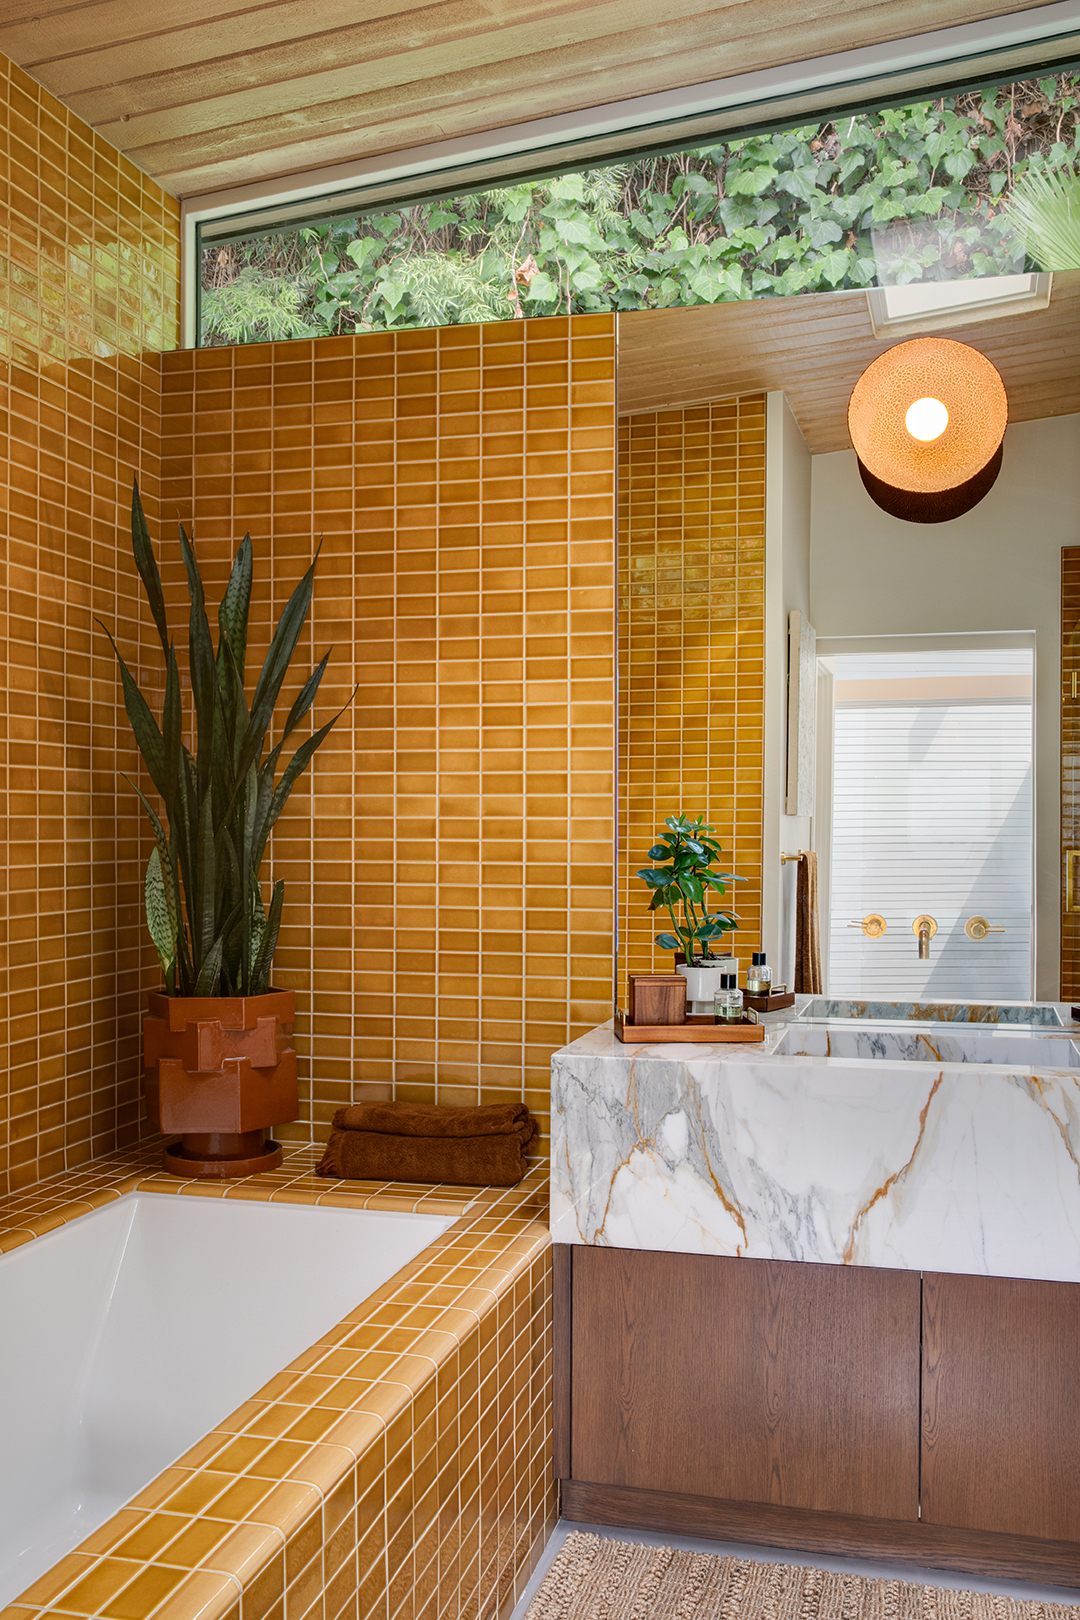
219 1071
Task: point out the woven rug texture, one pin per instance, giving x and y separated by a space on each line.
594 1578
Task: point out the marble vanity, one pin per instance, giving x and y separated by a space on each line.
861 1135
821 1292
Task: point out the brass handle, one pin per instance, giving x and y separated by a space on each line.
873 925
978 928
1071 858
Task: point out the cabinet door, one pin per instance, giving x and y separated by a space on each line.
1001 1405
750 1380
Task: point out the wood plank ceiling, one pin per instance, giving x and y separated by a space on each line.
815 347
203 97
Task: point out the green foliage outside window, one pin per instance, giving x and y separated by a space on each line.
925 187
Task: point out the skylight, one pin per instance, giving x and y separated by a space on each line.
928 306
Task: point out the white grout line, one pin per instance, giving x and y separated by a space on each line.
952 1579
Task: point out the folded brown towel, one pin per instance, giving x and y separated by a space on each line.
426 1142
431 1119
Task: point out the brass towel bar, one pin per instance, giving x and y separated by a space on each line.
799 857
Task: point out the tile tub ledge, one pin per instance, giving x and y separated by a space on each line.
248 1522
955 1167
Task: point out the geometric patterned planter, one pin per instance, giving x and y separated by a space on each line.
219 1070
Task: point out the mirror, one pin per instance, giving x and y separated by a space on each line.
740 503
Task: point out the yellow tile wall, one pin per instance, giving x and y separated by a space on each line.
89 252
691 652
449 904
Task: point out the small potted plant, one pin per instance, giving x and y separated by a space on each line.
682 886
218 1048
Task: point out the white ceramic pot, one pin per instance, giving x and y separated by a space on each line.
703 982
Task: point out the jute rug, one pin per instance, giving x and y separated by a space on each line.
593 1578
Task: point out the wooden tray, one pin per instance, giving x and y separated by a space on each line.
703 1032
770 1003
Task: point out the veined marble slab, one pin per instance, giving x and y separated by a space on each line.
918 1166
951 1012
973 1044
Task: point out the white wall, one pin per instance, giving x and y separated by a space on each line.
996 568
788 466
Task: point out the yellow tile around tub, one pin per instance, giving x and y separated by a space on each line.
62 1575
90 1594
141 1596
287 1506
244 1551
203 1595
434 1445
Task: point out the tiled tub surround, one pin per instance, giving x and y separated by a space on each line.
400 1466
951 1167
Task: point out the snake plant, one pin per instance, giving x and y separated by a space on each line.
213 934
686 883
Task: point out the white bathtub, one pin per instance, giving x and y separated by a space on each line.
128 1334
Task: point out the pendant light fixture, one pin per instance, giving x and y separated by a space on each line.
927 419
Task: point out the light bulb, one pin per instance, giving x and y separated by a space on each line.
926 420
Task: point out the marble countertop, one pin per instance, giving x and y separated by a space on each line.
942 1147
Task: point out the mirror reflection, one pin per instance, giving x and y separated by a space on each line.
886 699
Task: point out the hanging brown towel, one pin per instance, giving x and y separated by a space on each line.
807 942
397 1141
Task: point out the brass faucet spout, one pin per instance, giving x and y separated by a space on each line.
925 927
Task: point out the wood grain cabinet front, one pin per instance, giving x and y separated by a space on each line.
749 1380
1001 1405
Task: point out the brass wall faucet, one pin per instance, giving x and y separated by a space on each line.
925 927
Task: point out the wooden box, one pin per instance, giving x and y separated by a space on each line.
657 998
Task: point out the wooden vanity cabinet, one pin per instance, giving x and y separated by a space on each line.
752 1380
840 1409
1001 1405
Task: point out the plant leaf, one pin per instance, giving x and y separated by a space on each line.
210 972
235 605
202 668
146 563
148 736
158 920
296 766
1046 207
260 973
278 658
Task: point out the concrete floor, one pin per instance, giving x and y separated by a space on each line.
777 1555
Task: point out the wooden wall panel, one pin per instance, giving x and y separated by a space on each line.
1001 1405
749 1380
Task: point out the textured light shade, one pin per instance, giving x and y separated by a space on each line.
928 481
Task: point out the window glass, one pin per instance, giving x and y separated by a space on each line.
907 194
932 817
